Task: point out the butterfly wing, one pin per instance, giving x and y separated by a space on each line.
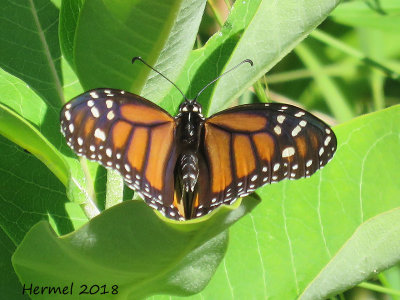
130 134
248 146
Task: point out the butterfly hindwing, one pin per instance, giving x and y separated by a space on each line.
248 146
130 134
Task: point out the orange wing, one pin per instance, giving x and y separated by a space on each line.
130 134
251 145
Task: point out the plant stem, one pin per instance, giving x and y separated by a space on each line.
89 207
115 188
260 92
385 282
379 288
331 41
331 70
331 92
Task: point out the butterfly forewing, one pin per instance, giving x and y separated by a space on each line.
251 145
129 134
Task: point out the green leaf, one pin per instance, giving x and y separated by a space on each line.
132 247
303 229
30 48
162 33
359 258
18 96
262 31
18 126
28 193
41 198
382 15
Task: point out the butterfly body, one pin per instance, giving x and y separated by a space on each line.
186 166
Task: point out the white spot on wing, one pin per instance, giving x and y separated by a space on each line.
299 114
296 130
93 95
280 119
71 128
67 115
321 151
289 151
95 112
100 134
109 103
277 130
303 123
110 115
327 140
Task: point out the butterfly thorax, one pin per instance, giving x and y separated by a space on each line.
189 126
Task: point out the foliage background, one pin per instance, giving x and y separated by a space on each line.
294 243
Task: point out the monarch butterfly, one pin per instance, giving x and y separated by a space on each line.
188 165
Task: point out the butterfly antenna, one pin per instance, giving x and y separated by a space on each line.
141 59
244 61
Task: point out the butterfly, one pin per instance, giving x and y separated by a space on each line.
188 165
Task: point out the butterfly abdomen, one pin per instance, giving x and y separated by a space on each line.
189 170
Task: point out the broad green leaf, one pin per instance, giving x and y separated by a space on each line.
110 33
41 198
30 48
264 31
132 247
23 115
18 96
372 248
301 228
273 32
383 15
